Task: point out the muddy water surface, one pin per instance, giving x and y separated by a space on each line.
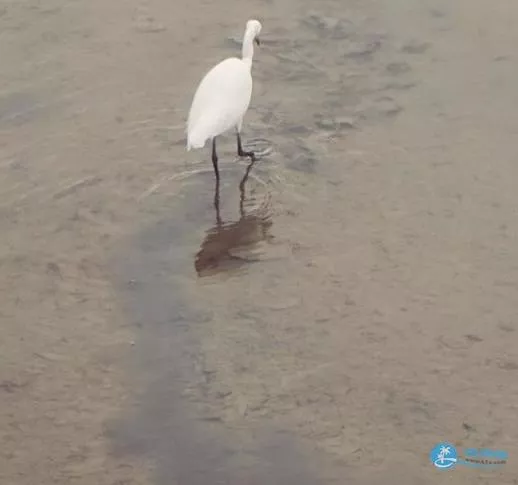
349 305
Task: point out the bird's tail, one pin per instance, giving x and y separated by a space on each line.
194 140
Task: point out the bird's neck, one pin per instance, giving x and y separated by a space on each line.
248 48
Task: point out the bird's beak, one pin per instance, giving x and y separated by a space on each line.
257 41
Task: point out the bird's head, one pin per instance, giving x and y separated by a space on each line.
254 27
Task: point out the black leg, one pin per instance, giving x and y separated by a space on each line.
216 203
242 188
242 153
215 159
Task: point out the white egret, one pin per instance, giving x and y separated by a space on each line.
222 99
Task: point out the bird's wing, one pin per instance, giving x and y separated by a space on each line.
221 99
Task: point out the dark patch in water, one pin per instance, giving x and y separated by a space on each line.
170 420
397 68
18 108
363 50
329 27
415 47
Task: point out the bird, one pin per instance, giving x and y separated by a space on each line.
222 99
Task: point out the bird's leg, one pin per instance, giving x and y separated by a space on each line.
242 189
216 203
240 151
215 159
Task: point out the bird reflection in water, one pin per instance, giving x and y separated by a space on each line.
228 246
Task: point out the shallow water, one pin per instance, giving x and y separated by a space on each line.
328 315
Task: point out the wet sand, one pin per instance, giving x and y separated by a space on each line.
359 310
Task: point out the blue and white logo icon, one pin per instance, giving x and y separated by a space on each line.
444 455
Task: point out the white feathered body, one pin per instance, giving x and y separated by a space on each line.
220 102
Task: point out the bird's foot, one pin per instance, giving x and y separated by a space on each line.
250 155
